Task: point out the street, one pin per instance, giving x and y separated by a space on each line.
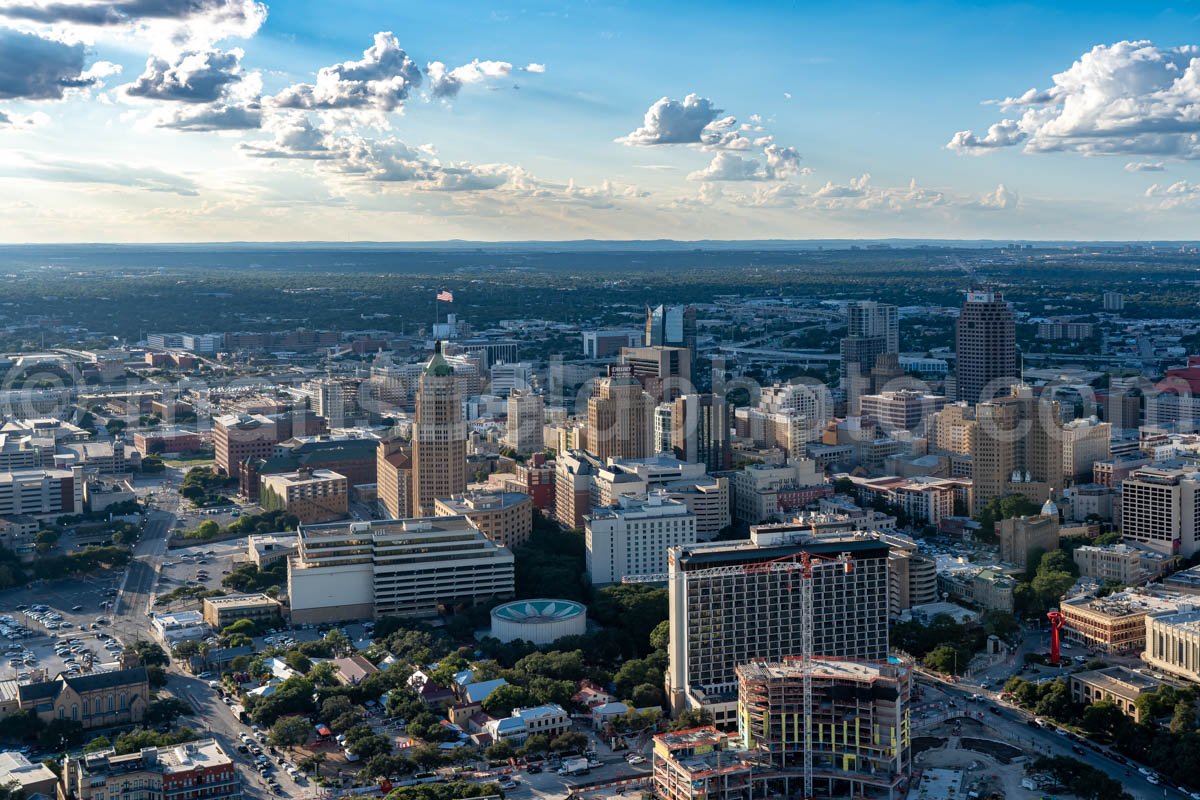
1011 725
212 718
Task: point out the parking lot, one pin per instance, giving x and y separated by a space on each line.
73 651
200 565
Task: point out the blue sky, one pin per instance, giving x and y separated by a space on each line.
193 120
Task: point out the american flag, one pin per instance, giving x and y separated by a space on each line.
445 297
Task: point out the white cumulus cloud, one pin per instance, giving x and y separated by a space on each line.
1128 98
670 121
444 82
381 81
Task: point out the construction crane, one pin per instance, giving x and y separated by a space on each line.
802 565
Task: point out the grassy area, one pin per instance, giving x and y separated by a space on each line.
199 460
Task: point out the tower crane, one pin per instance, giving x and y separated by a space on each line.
801 565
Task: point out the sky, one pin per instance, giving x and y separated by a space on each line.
297 120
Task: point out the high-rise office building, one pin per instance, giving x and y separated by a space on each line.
665 372
985 347
1018 448
663 427
872 330
867 318
952 430
700 425
329 399
1085 441
620 419
1114 301
633 537
526 416
439 438
904 410
410 567
393 470
671 326
1160 509
722 619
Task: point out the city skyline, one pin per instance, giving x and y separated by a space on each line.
231 120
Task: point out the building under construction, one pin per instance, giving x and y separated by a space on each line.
725 611
697 763
859 730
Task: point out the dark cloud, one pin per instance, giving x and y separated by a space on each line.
125 12
216 117
35 68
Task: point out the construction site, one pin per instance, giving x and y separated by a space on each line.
849 728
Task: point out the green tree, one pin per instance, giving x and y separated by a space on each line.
691 718
312 763
660 637
150 653
97 744
500 751
289 732
165 710
571 740
1103 719
943 658
338 642
1183 718
1055 701
646 695
504 699
334 707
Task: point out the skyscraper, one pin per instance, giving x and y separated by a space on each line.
1017 447
700 426
872 330
720 620
868 318
620 419
439 438
985 347
526 414
671 326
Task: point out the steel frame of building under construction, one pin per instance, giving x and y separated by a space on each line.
860 739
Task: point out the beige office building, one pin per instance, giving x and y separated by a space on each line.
411 567
620 420
439 439
393 477
504 517
1173 643
526 417
311 495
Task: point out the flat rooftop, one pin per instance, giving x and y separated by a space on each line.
835 669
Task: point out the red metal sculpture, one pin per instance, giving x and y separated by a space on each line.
1056 623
